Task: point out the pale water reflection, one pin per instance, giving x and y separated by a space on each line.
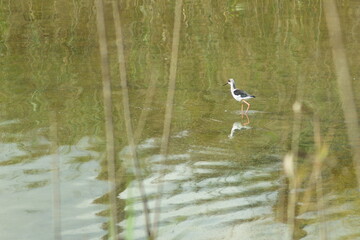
204 198
240 126
29 199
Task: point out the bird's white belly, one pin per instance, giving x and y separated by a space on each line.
239 98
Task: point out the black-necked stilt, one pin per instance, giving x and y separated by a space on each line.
238 94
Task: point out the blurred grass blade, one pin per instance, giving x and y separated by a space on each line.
290 161
109 128
169 104
55 177
150 93
126 108
320 156
343 81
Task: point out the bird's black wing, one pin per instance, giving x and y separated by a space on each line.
241 93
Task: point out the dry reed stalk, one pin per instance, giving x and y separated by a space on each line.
169 105
126 108
109 127
290 160
55 177
321 154
290 167
343 81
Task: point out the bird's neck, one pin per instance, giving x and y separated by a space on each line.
233 86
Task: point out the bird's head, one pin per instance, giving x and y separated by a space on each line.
230 81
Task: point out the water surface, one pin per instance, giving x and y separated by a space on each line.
223 175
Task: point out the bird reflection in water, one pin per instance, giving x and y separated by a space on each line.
240 126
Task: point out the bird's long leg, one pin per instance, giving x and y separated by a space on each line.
242 109
248 120
247 107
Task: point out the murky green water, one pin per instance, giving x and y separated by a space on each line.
223 175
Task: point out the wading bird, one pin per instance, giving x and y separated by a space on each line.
238 94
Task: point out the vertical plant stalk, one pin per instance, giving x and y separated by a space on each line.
126 108
293 158
55 177
292 172
321 154
169 104
315 179
109 127
150 93
343 81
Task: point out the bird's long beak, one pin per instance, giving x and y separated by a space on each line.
225 84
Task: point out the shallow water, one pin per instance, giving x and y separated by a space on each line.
222 175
